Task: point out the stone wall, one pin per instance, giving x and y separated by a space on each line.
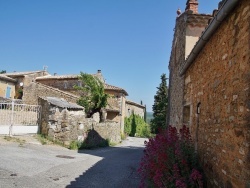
175 81
62 84
137 109
219 79
35 90
188 28
68 125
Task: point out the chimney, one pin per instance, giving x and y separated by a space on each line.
99 71
192 5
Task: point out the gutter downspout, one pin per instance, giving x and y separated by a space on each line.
215 23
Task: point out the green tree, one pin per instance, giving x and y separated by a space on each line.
136 126
93 98
2 71
160 106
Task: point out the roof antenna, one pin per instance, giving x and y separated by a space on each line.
45 67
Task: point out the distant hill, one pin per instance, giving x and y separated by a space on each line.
149 117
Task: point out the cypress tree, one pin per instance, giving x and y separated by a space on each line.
160 106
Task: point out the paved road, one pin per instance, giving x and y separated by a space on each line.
33 165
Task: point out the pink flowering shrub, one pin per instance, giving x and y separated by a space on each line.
169 161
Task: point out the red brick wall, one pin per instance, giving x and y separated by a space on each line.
220 81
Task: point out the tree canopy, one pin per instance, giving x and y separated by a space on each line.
160 106
2 71
93 98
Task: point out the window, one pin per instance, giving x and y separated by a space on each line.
8 92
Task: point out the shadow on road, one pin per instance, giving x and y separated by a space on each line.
117 168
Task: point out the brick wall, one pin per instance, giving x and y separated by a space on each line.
219 79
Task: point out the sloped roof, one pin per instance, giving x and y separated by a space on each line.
110 87
58 77
23 73
4 77
66 76
60 102
135 104
75 76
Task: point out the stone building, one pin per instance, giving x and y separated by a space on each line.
7 87
115 109
215 98
132 107
37 84
188 29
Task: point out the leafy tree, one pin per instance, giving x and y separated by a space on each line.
93 98
2 71
160 106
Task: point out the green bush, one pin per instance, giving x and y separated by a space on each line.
136 126
75 145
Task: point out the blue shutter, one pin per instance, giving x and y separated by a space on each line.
8 92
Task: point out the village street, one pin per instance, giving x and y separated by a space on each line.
34 165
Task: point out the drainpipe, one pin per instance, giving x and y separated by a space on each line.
226 8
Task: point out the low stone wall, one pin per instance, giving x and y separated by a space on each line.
71 125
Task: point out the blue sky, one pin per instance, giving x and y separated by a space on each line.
129 40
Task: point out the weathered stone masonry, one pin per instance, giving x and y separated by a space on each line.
219 79
189 27
67 123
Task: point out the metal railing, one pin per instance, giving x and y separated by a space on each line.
19 114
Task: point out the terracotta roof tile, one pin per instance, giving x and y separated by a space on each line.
110 87
75 76
134 103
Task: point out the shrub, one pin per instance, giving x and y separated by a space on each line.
75 145
136 126
170 161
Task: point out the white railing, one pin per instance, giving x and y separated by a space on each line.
12 114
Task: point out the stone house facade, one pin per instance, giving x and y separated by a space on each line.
132 107
7 87
37 84
115 111
216 95
189 26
